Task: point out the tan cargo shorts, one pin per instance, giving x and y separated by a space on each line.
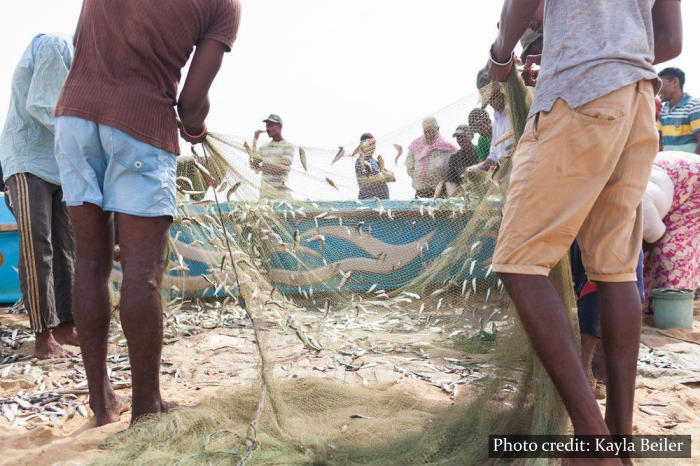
581 173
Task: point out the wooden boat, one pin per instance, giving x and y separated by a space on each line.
348 245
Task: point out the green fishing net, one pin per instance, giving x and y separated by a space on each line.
379 331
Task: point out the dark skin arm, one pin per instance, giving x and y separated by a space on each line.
697 147
193 105
668 30
516 16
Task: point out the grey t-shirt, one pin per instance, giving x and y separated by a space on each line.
592 48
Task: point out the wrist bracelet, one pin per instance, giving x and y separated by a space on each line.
204 131
493 60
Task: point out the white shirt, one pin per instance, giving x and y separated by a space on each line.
501 126
656 204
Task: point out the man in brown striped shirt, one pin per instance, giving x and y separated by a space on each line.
116 140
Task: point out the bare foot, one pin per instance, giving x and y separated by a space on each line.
66 335
111 414
46 347
162 407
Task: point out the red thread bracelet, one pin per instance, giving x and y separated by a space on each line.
204 131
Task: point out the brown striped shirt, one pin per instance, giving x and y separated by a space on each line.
128 61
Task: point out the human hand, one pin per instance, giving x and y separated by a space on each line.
193 136
531 70
487 164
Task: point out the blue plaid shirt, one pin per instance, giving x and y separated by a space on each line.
26 144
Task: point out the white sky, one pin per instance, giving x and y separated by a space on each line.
332 69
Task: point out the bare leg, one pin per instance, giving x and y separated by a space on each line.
46 347
66 334
621 324
142 243
588 344
544 318
91 306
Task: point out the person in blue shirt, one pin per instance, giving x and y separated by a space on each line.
47 247
679 120
372 178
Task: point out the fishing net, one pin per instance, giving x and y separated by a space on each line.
379 332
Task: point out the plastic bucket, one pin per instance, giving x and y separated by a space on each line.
673 308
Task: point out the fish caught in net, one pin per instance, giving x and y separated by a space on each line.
380 332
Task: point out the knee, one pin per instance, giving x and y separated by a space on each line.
141 281
93 266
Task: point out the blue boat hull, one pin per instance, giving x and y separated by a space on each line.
346 246
9 256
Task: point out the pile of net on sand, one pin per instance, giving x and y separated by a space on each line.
314 268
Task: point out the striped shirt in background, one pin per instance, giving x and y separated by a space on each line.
280 154
680 125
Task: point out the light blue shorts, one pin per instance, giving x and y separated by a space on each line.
104 166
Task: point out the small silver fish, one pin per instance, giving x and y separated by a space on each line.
231 191
302 157
332 183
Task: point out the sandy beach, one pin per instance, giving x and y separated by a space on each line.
205 364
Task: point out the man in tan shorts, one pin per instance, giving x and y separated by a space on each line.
579 171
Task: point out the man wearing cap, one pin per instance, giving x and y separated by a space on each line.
462 159
491 94
274 160
427 157
371 175
588 146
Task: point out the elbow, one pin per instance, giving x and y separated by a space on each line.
669 46
674 45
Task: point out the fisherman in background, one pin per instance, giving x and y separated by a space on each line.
461 160
501 133
679 120
274 160
587 146
116 143
427 157
47 246
371 175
